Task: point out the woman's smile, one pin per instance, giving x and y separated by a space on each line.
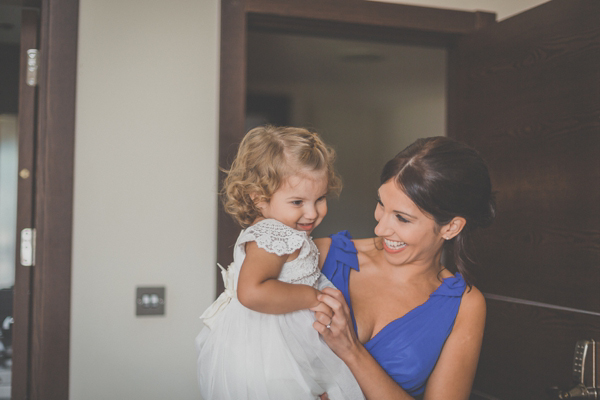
392 246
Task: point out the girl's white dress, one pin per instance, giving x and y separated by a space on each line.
247 355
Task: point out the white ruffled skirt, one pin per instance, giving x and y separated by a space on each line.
254 356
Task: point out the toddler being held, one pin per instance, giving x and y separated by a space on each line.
259 342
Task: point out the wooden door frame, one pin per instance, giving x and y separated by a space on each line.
350 19
47 370
54 200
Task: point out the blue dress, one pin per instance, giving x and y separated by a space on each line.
408 347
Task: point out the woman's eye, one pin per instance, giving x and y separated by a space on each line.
401 218
379 202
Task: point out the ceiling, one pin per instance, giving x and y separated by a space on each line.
293 59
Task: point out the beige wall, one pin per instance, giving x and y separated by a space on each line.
145 183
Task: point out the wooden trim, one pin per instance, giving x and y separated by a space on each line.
483 19
365 20
54 201
356 19
22 3
516 300
372 13
25 208
232 106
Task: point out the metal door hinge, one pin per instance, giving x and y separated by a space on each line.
33 56
28 247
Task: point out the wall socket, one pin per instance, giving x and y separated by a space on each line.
150 301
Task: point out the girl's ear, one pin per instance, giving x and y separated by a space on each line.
259 204
453 228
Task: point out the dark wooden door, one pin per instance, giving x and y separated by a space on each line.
526 93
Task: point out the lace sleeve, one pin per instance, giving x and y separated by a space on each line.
274 237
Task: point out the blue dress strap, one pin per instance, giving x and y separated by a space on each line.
341 258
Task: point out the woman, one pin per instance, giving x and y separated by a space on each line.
405 325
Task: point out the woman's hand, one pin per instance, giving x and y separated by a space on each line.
334 323
342 339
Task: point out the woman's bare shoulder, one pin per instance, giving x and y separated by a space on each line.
472 305
365 245
323 245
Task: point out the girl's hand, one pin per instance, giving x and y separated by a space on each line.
323 313
324 396
334 323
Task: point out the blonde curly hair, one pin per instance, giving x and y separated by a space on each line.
266 157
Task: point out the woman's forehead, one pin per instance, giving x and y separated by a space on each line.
394 198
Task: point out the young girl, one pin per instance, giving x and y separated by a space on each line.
259 342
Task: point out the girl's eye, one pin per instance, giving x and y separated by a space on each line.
297 202
322 198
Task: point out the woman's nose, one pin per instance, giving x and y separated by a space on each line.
381 229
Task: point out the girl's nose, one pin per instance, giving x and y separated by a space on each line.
310 212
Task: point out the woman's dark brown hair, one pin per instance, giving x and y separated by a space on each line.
446 179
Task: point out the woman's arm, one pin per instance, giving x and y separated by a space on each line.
323 245
341 338
454 372
258 287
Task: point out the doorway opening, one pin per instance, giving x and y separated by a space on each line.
10 33
367 99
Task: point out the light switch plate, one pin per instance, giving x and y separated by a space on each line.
150 301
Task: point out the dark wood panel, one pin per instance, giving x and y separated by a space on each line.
528 98
529 348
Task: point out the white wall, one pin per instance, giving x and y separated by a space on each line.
145 185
